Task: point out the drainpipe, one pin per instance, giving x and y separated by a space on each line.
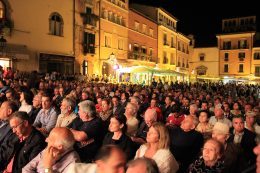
99 39
73 36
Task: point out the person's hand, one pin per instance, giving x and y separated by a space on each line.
50 155
43 130
257 152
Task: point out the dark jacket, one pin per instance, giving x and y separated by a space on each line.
24 152
124 142
247 144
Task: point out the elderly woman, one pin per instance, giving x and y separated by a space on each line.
210 161
204 126
157 148
131 120
116 135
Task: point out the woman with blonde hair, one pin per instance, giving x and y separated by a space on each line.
157 148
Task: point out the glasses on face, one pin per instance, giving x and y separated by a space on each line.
17 125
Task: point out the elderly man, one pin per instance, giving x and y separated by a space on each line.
6 110
47 117
186 142
67 115
15 155
58 155
37 105
87 131
150 117
110 159
244 138
219 117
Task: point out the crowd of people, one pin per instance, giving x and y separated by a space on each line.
59 125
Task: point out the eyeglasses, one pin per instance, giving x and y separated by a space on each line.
17 125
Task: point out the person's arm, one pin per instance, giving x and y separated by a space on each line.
37 122
32 165
138 140
52 121
79 136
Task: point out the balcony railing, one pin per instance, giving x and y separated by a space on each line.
90 19
140 56
257 74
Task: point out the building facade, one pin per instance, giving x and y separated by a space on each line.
235 45
38 39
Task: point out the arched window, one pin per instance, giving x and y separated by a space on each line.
56 24
2 10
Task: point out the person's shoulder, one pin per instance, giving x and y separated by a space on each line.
82 167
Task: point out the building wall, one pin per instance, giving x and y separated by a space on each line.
255 62
211 61
142 37
31 28
233 54
113 31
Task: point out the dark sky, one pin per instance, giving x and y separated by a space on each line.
203 17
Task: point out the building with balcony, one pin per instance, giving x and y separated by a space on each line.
235 45
39 35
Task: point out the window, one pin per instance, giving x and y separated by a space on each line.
226 57
165 59
242 44
137 26
165 39
2 10
257 71
225 68
56 24
151 32
172 41
107 41
202 57
241 56
143 50
120 44
257 56
136 48
187 64
110 14
227 45
172 59
241 68
144 29
89 43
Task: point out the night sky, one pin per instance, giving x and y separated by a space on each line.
203 18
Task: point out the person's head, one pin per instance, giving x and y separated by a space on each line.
153 102
238 124
168 100
135 100
110 159
67 106
203 117
87 110
248 107
142 165
84 95
236 106
189 123
204 105
218 111
212 151
27 96
61 139
130 109
61 91
250 118
193 109
117 123
158 133
6 110
124 96
105 105
20 124
115 101
46 101
10 94
37 101
220 132
217 101
150 117
226 107
56 91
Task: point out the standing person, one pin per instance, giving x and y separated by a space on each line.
30 143
57 156
157 148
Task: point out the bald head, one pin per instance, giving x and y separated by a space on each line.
61 136
150 117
